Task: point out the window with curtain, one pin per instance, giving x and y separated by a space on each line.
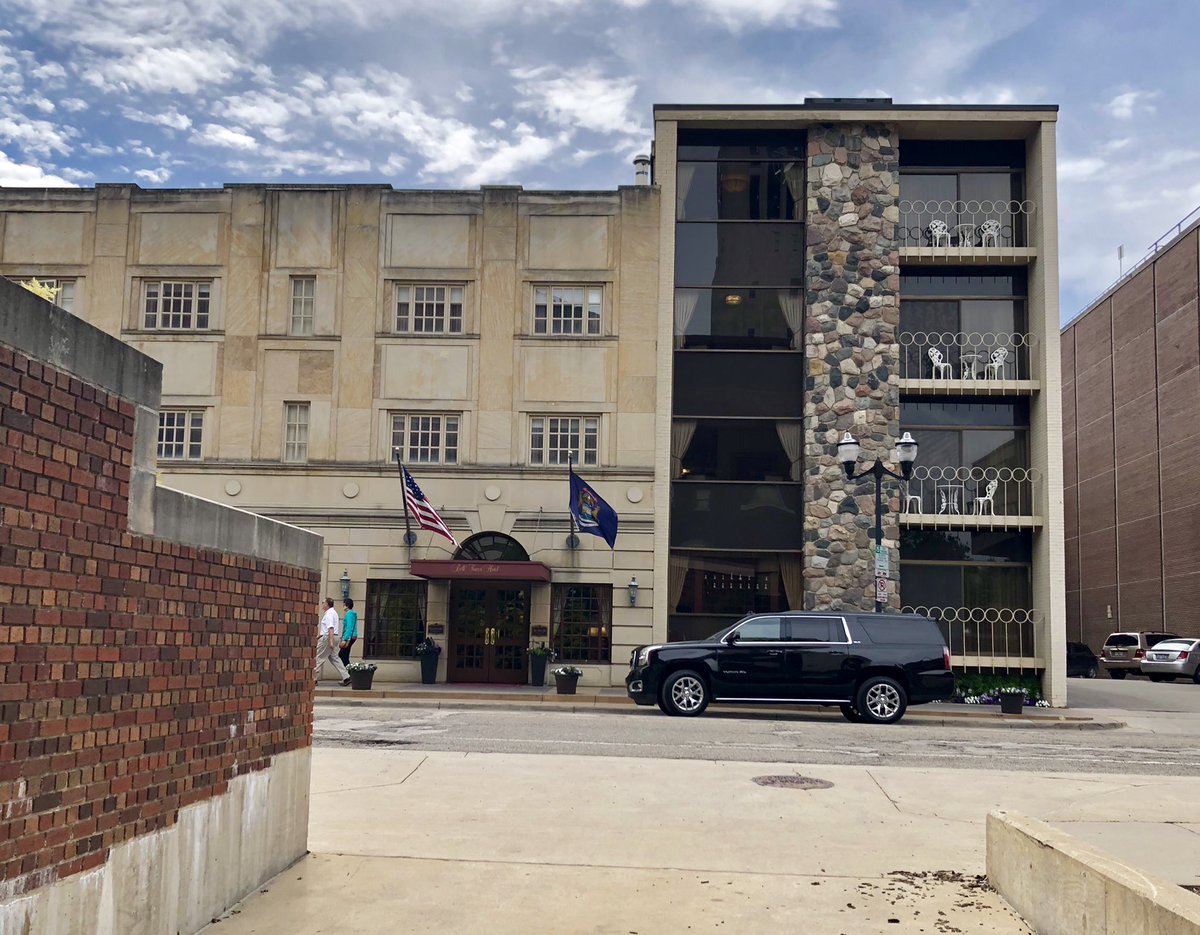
581 618
395 619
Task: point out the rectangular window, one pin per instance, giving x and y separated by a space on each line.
304 291
566 310
395 619
64 292
582 620
180 433
295 433
429 309
177 305
425 438
552 440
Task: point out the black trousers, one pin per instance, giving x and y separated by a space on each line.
344 654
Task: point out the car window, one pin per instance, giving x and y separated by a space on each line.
1153 639
910 630
1174 644
762 628
1122 639
815 630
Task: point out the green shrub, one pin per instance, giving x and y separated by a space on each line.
980 685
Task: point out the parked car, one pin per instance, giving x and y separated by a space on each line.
1123 653
871 666
1168 660
1081 661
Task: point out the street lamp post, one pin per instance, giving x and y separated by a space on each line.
906 453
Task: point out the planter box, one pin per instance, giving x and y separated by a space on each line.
429 664
565 684
361 681
537 670
1012 703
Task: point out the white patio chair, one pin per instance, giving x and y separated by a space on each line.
910 498
939 365
994 368
938 231
987 498
989 230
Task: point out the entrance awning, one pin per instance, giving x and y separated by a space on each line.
448 568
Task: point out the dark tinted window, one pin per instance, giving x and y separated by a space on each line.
734 254
961 154
815 630
918 411
1122 639
1153 638
729 383
937 545
741 144
988 281
763 628
900 630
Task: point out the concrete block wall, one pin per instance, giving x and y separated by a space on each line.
155 694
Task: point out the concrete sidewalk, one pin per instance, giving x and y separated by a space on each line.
507 843
515 697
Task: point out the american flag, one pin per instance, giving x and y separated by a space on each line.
419 507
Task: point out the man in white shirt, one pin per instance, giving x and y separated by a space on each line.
327 643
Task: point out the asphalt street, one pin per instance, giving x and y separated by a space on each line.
1134 693
790 738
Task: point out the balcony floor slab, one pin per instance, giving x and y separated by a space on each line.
969 521
967 256
931 387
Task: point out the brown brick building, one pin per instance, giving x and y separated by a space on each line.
1131 425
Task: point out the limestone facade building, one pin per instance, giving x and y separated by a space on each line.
792 273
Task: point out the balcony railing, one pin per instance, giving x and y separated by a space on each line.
974 356
964 228
963 496
988 637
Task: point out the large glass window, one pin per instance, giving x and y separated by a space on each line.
425 308
739 191
710 590
736 449
567 310
176 305
739 254
554 439
395 619
581 615
751 318
729 383
966 569
180 434
426 438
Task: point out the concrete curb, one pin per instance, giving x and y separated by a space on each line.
1062 886
616 704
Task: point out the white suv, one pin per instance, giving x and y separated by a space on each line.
1123 652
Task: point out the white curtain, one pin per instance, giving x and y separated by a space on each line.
684 173
792 575
793 174
682 431
677 569
790 439
790 305
686 301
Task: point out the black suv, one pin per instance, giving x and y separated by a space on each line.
873 666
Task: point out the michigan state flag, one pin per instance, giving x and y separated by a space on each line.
591 513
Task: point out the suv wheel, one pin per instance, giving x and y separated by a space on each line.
1091 672
1117 673
850 714
881 700
684 693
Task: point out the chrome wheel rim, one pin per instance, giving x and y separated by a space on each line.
883 700
687 693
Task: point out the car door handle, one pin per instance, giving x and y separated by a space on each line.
774 652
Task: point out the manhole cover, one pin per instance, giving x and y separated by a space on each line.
793 782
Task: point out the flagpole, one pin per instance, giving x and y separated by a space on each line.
572 539
409 538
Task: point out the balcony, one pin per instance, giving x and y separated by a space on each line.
968 363
966 231
971 498
988 637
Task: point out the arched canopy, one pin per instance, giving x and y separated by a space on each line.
491 547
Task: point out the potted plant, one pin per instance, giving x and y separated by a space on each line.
428 652
1012 700
566 678
539 655
361 674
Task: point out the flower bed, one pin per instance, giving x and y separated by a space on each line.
987 689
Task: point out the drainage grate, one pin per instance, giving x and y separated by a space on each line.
793 782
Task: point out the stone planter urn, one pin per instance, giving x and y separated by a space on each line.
537 670
1012 702
565 682
360 679
429 664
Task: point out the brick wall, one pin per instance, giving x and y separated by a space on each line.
137 675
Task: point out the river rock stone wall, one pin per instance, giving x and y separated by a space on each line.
853 314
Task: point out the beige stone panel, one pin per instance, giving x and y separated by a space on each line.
237 432
45 237
568 242
175 238
638 357
189 367
359 316
106 302
280 374
426 371
316 373
321 435
495 443
353 435
304 226
112 240
356 376
240 298
636 394
635 440
429 240
568 373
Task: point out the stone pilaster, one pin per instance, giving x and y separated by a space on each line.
853 314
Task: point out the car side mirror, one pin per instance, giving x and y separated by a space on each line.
731 638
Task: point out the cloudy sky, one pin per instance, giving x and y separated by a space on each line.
558 93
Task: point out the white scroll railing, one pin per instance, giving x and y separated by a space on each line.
992 637
965 228
972 355
960 493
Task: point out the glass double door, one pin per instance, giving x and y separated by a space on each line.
489 631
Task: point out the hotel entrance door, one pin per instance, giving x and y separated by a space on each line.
489 630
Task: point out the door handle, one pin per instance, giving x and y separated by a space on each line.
774 652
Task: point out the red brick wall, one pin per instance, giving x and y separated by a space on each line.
136 675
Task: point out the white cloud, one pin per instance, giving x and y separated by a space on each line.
213 134
35 136
1081 169
579 97
1125 105
49 71
170 118
157 70
394 165
736 15
464 93
24 175
157 176
73 104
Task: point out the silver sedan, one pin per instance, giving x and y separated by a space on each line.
1166 661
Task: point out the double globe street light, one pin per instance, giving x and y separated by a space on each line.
848 451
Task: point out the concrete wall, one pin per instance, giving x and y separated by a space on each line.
1062 886
156 698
